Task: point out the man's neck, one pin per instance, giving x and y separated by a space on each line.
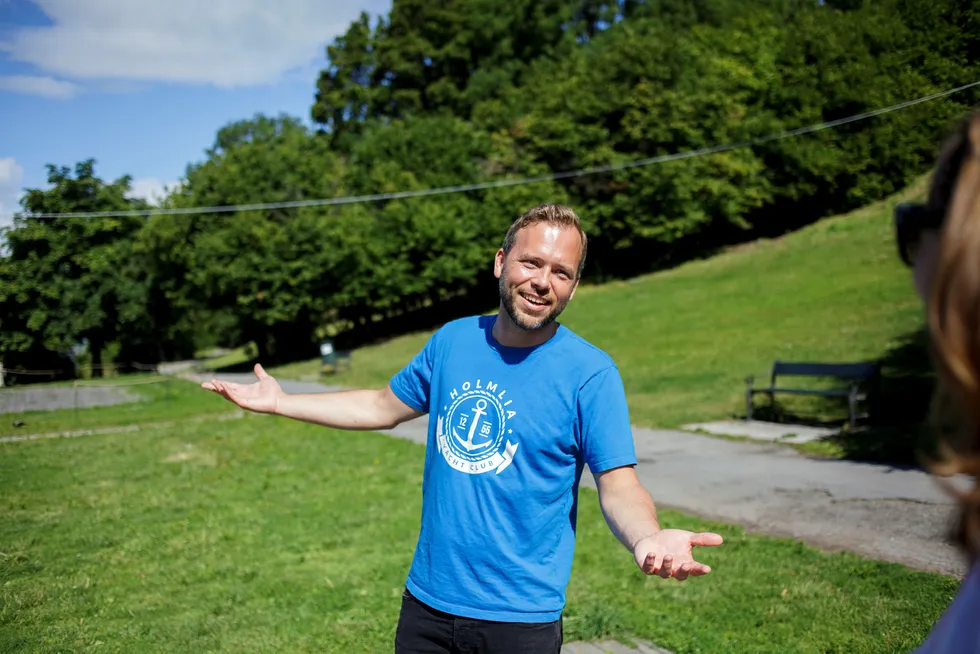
508 334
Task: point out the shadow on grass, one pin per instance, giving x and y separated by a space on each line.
898 431
244 366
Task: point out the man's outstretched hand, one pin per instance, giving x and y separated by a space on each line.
260 397
668 553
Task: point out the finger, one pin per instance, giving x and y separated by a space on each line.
225 389
666 569
231 387
232 395
651 564
219 386
699 569
260 372
706 539
682 572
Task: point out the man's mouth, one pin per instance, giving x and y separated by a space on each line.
535 302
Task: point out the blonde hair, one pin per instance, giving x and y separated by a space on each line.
552 214
954 321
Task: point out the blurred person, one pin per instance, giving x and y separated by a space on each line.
518 405
940 241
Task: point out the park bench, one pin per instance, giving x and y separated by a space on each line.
862 378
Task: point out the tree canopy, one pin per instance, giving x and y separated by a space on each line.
437 94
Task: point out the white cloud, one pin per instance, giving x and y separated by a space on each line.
47 87
227 43
150 189
11 174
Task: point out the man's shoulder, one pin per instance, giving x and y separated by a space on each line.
587 354
468 326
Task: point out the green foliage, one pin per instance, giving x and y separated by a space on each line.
269 272
287 277
443 57
63 280
468 91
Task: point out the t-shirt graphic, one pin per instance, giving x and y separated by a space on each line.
510 431
472 431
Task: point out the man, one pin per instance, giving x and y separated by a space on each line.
519 405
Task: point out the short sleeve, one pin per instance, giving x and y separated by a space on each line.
411 384
605 434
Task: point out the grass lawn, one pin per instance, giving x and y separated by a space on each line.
685 339
265 535
236 357
170 399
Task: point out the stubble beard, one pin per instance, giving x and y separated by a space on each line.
509 299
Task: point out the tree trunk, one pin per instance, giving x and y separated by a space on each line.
95 347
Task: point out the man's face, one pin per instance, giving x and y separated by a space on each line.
539 275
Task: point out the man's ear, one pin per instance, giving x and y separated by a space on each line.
498 263
574 288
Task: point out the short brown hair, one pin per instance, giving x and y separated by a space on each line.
552 214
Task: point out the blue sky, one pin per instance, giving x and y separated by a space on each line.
142 86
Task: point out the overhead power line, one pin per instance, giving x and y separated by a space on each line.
463 188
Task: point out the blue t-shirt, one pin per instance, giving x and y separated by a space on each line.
510 430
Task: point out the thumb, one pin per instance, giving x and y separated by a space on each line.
261 373
706 539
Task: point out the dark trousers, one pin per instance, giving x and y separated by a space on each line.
425 630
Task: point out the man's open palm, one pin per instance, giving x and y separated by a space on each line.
669 553
261 397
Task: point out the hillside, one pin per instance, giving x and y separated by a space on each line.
686 338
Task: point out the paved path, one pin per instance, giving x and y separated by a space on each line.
50 398
879 511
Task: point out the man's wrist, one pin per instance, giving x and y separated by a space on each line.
647 534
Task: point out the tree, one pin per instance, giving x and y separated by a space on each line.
273 270
62 277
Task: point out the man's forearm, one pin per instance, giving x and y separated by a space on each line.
630 514
355 410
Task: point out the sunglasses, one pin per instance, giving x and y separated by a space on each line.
911 219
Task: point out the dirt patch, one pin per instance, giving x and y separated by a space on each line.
190 454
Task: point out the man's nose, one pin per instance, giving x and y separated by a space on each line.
542 281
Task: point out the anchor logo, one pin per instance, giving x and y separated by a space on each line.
478 411
472 431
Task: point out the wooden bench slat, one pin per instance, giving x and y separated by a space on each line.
840 370
803 391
